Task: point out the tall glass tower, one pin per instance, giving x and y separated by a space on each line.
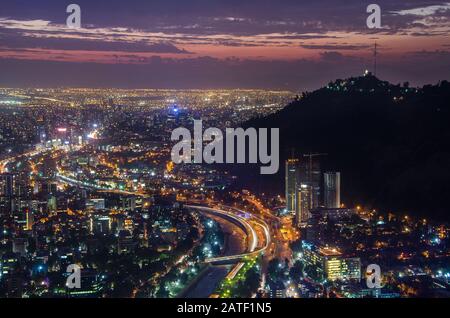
332 187
291 180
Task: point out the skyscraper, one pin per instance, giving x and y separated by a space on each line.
291 181
307 192
41 134
7 185
304 201
6 193
29 220
332 185
302 187
311 175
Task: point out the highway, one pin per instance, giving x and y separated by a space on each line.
253 240
74 182
258 240
28 155
209 279
249 235
255 229
246 225
246 241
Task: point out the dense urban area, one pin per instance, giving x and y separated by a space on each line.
86 179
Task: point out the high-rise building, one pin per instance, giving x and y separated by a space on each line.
7 182
96 204
332 189
90 286
7 185
302 188
311 175
329 263
8 263
303 201
341 268
49 188
20 246
291 182
100 223
29 220
41 134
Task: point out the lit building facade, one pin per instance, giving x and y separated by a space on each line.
311 175
291 181
332 189
330 264
304 203
7 182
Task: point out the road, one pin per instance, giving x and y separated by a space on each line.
249 237
255 230
248 225
27 155
235 243
74 182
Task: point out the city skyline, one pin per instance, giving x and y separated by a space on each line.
239 149
92 203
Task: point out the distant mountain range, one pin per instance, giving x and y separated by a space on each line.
391 143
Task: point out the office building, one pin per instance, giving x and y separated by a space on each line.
29 219
8 264
91 285
335 214
332 189
311 174
329 263
304 202
7 185
95 204
99 224
291 181
302 183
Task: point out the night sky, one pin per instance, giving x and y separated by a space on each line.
283 44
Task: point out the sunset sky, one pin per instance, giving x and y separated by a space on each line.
283 44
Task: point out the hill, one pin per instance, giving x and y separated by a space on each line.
390 142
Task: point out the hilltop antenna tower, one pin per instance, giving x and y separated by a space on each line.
375 59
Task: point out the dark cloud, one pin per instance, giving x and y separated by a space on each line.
332 56
16 40
304 37
429 54
217 22
335 47
232 16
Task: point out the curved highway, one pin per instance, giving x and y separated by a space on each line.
248 228
240 221
246 224
255 245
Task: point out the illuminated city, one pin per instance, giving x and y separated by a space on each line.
89 186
